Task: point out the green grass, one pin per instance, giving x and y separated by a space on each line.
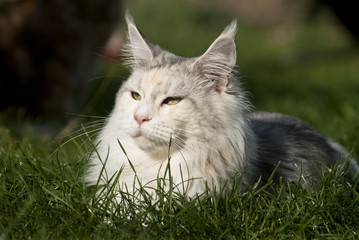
45 197
313 75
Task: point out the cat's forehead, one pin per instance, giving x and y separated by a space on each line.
166 79
157 77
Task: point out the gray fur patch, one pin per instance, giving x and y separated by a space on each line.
299 149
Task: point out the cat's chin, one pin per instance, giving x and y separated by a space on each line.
147 145
143 141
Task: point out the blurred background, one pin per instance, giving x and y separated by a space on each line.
61 60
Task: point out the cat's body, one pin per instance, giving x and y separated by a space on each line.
192 114
300 149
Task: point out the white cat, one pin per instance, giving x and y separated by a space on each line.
190 114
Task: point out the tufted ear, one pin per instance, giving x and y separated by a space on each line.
218 61
138 49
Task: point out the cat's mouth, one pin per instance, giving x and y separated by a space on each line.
144 142
147 142
138 134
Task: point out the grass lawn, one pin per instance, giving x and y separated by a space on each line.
309 70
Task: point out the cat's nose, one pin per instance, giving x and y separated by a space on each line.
141 119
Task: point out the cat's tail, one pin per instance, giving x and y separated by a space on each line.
351 163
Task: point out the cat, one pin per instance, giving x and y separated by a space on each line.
190 115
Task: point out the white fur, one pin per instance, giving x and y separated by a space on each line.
209 138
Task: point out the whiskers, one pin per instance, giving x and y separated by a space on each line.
166 135
80 133
178 138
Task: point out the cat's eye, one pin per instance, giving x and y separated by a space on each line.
172 100
136 96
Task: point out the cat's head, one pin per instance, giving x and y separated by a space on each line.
170 97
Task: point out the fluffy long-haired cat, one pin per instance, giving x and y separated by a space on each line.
190 115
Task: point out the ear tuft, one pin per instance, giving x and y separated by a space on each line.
137 49
231 30
218 61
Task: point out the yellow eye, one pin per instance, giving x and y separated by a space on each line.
172 100
136 96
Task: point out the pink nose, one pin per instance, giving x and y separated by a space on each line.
140 119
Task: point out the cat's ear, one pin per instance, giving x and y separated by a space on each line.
218 61
137 49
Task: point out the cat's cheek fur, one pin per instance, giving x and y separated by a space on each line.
122 115
179 112
179 117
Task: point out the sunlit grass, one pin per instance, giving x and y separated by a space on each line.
313 75
45 197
